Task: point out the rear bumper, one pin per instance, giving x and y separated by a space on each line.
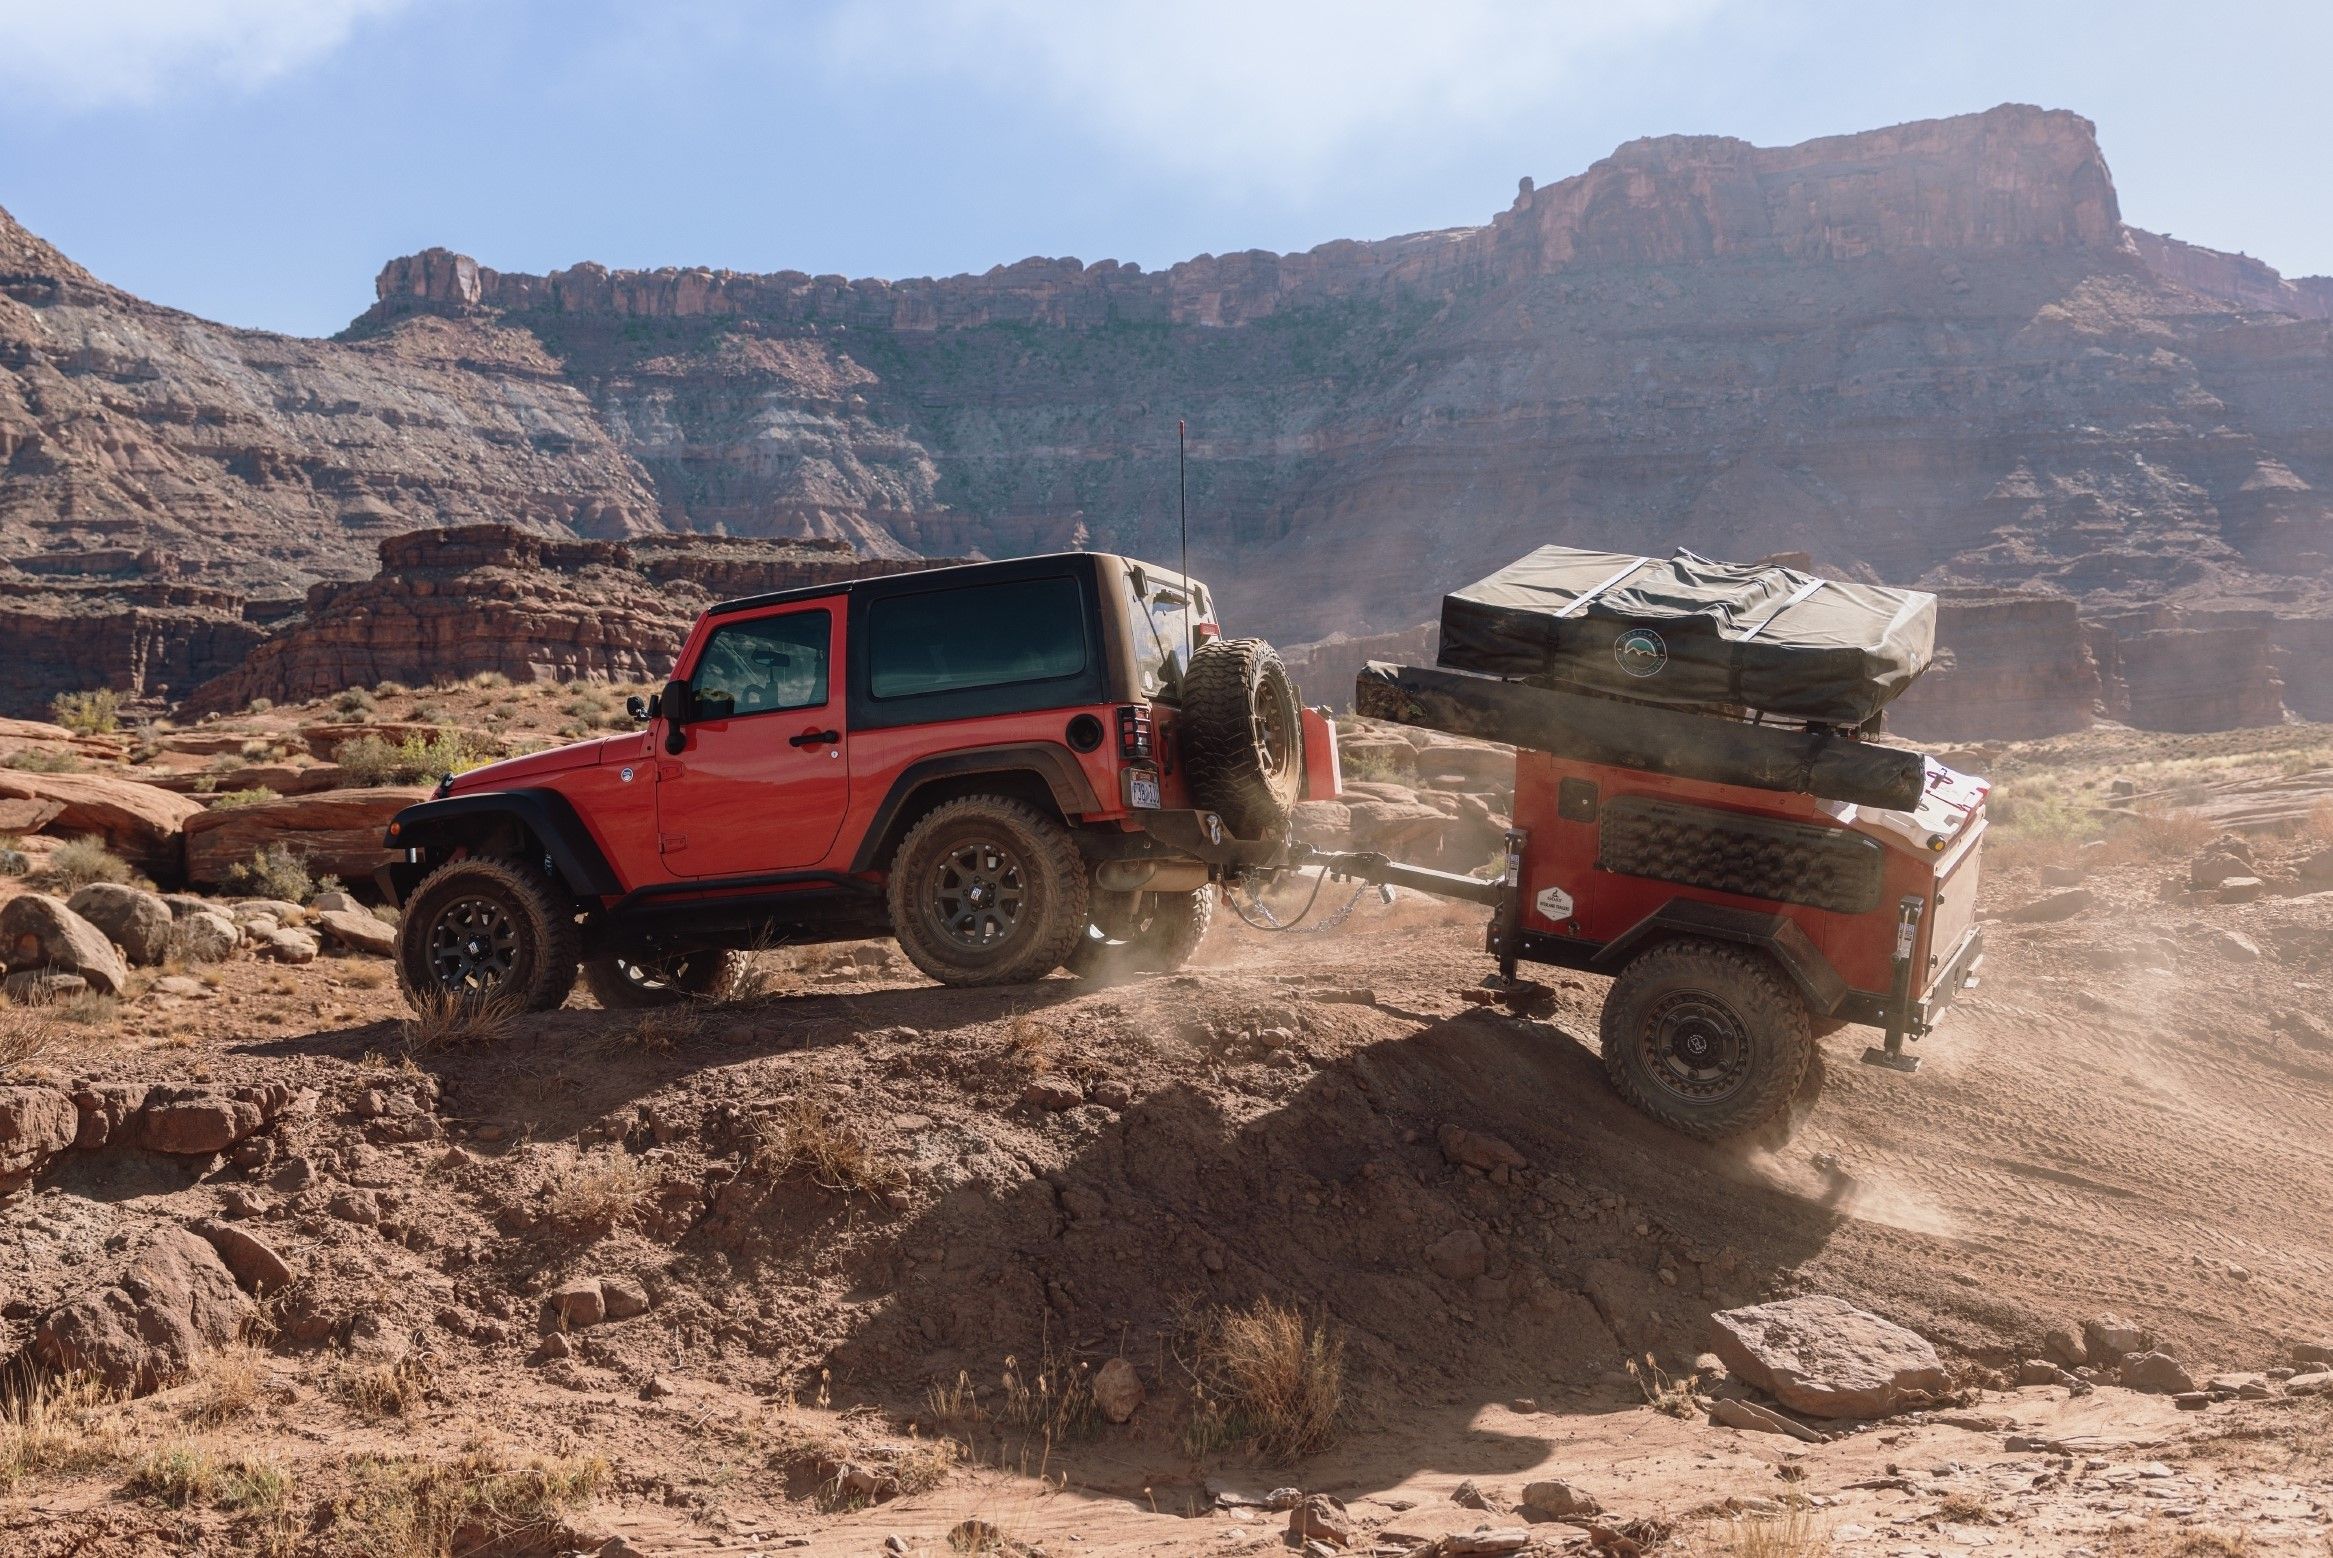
1181 835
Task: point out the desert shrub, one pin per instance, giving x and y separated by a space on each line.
273 872
384 1387
443 1020
814 1141
13 861
259 705
91 713
390 689
227 1384
353 701
179 1472
53 1428
603 1189
372 760
78 862
411 1506
43 760
1794 1532
231 800
1266 1376
489 681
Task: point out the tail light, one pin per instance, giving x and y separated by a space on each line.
1134 744
1206 632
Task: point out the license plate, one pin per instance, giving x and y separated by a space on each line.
1143 789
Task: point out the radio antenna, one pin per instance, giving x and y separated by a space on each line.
1183 502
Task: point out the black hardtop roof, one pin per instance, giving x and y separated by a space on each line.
914 577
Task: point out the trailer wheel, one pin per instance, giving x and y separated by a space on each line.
1708 1039
1243 736
1142 933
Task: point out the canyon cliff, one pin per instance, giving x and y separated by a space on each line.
1933 353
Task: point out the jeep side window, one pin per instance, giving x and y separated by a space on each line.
762 666
987 635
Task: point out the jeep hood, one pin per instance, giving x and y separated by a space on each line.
537 765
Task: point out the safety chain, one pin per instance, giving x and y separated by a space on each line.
1272 922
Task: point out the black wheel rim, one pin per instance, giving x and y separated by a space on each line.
473 944
1695 1048
979 892
1274 734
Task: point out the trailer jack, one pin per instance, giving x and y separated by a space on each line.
1890 1054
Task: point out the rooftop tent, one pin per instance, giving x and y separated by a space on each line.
1688 633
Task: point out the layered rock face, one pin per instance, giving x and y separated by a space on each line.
460 601
1931 353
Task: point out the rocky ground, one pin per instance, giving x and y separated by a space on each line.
855 1263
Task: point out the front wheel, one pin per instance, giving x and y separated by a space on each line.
987 891
621 983
488 929
1142 933
1706 1038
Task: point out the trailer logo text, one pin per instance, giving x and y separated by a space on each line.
1640 652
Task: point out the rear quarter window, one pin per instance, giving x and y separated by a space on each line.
985 635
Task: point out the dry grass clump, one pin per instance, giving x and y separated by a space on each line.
815 1141
184 1472
1267 1376
24 1037
93 713
1794 1533
413 1506
1030 1043
227 1384
78 862
53 1428
2159 1538
384 1387
602 1190
444 1020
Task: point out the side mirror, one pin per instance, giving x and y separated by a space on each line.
636 709
673 705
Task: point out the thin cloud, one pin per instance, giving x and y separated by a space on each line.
1258 91
81 54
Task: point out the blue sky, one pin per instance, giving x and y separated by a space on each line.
256 160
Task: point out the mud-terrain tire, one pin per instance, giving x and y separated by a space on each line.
987 891
1708 1039
488 929
623 984
1155 933
1242 735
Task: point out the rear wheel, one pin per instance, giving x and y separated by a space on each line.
1242 736
1142 933
488 929
1706 1038
629 984
987 891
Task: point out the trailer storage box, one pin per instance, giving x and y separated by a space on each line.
1685 632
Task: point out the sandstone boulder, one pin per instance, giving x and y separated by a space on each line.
104 1109
2109 1337
41 986
624 1296
1117 1390
2157 1373
1458 1256
37 931
135 920
577 1304
2052 907
36 1123
358 931
193 1121
140 822
1555 1499
253 1261
1824 1357
1319 1518
208 938
170 1306
335 831
291 946
1475 1149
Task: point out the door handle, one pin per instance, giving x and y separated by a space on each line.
815 738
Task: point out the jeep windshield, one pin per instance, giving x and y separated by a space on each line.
1166 618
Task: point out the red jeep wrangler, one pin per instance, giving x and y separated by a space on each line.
1008 766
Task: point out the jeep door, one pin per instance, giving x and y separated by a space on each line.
763 776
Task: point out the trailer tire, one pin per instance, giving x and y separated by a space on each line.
1242 735
1155 933
1709 1039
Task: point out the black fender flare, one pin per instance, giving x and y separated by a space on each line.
546 814
1049 761
1778 935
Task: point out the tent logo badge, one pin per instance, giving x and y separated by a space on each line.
1641 652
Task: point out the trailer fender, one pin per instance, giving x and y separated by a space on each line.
1776 935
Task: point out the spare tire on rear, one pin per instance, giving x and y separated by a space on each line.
1242 736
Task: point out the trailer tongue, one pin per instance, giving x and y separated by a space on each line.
1751 881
